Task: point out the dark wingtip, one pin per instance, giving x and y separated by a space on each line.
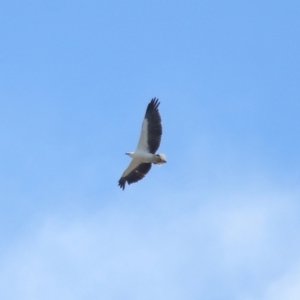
153 105
122 183
154 102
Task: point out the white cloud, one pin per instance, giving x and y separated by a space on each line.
287 286
129 253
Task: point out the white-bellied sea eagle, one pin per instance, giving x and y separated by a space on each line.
148 144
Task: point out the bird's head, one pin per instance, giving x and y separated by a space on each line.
160 159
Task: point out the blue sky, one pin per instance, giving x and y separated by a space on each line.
220 220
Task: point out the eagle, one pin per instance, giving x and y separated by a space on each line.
144 155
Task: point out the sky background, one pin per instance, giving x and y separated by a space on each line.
220 220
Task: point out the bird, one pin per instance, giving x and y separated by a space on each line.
145 152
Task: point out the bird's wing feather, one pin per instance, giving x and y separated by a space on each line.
133 164
151 129
143 144
136 175
139 173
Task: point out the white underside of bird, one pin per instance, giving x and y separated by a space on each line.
141 153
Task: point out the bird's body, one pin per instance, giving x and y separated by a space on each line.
149 141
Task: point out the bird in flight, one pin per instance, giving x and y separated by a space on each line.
144 155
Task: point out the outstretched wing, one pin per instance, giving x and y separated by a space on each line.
151 129
135 175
